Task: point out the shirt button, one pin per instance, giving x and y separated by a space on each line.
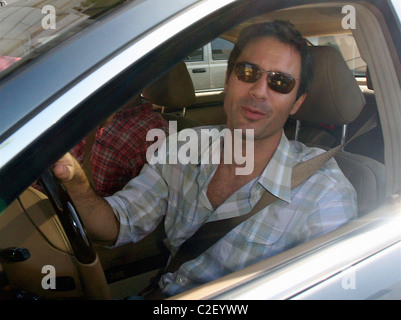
181 280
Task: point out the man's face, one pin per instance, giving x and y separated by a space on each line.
255 105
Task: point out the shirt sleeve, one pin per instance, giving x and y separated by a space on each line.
140 206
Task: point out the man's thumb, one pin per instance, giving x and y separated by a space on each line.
62 172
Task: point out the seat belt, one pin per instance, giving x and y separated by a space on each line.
211 232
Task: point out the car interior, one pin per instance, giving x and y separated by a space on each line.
338 104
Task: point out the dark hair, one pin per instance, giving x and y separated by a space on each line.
285 32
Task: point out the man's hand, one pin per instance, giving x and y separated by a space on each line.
68 169
95 212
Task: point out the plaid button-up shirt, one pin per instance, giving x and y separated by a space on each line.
119 150
324 202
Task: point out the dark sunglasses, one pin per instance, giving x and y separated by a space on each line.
277 81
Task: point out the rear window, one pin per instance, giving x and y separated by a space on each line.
345 43
195 56
221 49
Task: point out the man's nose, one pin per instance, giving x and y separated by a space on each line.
259 89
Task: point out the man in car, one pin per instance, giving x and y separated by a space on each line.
267 79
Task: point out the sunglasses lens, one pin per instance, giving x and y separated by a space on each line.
250 73
246 72
280 83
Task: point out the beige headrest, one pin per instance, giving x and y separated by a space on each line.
174 90
334 96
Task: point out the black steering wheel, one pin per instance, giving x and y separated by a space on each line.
76 233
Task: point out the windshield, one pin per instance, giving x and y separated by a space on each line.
32 26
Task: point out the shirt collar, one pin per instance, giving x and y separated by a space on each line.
276 177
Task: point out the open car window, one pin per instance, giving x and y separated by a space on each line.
128 69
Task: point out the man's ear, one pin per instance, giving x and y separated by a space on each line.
298 104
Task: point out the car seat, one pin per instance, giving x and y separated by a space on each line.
335 98
173 92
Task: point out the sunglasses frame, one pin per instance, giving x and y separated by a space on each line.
258 73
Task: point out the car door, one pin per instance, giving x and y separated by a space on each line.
207 66
220 52
199 68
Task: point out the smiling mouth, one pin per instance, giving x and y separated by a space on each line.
252 113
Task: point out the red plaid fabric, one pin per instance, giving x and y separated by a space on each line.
119 151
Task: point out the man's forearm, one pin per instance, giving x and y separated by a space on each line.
96 214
